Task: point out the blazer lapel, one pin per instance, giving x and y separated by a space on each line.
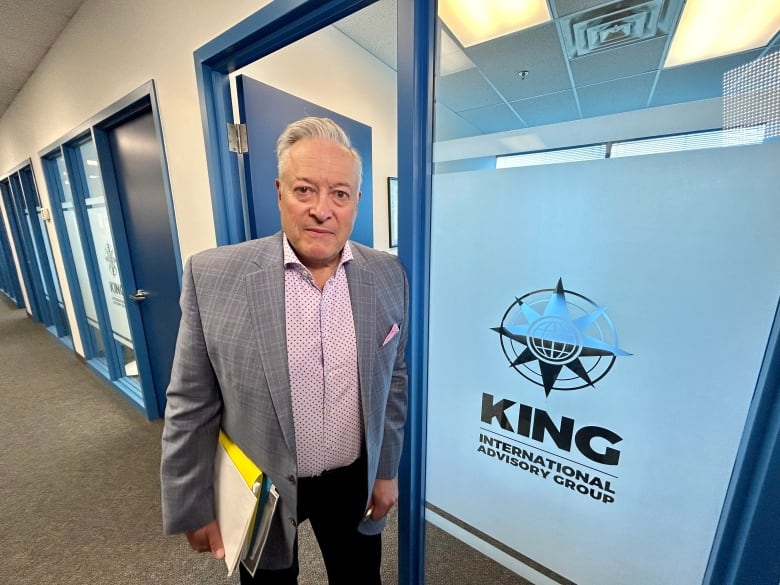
265 296
363 300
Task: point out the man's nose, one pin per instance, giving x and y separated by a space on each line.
320 207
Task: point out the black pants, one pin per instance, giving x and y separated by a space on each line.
334 503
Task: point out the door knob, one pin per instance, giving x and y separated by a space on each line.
139 295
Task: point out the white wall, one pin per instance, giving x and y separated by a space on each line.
112 47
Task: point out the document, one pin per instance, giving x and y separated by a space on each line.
267 506
236 505
245 503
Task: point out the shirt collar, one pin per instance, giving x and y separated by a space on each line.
291 258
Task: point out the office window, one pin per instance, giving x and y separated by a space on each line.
690 141
549 157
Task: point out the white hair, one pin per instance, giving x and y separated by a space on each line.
313 127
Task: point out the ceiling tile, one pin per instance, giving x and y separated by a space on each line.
697 81
465 90
13 76
625 61
537 50
612 97
18 55
6 94
33 24
492 118
59 7
566 7
547 109
363 25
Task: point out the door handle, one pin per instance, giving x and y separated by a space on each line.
139 295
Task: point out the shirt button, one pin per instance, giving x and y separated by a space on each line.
291 479
292 521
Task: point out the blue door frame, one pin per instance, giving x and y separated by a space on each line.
10 280
24 250
150 401
32 203
281 23
746 545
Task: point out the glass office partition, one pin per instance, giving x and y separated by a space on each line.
597 324
9 281
28 239
105 257
94 347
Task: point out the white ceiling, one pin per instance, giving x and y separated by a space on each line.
28 28
561 85
565 80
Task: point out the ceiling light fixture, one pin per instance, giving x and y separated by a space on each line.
477 21
707 31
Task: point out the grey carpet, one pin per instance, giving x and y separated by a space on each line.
79 485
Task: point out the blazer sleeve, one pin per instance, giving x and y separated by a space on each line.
395 414
192 421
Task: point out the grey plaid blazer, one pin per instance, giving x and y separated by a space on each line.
230 370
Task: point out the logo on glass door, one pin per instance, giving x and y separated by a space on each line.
559 339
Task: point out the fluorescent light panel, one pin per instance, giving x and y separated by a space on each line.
477 21
710 29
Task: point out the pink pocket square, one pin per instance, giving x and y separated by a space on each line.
393 331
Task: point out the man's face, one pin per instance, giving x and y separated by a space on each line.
318 200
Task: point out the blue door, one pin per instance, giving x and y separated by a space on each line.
9 281
53 306
266 112
31 276
142 206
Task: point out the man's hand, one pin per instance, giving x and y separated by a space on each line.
384 497
207 539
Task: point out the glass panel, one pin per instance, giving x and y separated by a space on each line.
79 262
566 435
105 254
60 303
38 296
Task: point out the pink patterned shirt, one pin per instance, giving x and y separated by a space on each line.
322 357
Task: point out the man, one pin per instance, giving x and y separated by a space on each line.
294 345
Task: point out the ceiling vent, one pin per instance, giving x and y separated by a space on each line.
617 24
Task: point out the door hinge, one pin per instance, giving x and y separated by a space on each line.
236 134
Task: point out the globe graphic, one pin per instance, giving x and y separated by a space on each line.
554 340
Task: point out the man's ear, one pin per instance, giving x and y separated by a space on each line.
360 194
278 189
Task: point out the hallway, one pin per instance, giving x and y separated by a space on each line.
79 482
80 491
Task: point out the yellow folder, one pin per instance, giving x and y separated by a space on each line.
251 473
237 486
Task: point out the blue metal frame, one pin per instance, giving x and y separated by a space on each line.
36 296
42 244
747 543
416 51
278 24
79 187
281 23
284 21
122 250
56 199
22 253
144 97
10 284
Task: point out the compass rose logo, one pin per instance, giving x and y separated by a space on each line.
548 330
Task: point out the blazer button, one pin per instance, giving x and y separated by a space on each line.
291 479
292 521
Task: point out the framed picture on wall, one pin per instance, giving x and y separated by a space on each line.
392 209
